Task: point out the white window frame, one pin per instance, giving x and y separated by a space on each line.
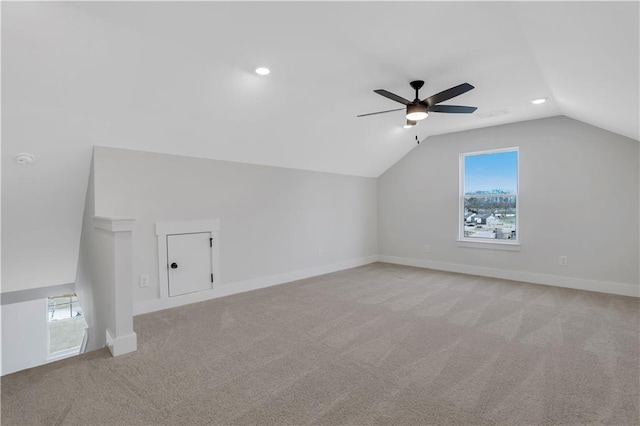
68 352
487 243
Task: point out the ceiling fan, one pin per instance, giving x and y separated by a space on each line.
419 109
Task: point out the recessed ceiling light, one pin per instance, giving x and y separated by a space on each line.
262 71
538 101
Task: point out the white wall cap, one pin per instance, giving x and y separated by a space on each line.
114 224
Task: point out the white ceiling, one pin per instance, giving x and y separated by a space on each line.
194 62
178 78
327 57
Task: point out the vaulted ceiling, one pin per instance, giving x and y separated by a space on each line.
178 78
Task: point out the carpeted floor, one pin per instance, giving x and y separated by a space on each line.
379 344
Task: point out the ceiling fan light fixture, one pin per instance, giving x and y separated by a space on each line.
410 124
416 112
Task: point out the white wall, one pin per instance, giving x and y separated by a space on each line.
94 274
25 335
578 197
49 61
272 220
74 76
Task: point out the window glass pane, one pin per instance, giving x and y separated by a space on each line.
63 307
66 323
490 217
492 173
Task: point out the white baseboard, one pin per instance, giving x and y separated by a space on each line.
123 344
621 289
152 305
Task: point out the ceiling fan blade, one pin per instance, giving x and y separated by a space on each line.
452 109
448 94
392 96
379 112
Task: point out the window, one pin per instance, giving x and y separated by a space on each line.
64 307
489 196
66 325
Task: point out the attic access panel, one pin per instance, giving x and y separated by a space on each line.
189 263
166 232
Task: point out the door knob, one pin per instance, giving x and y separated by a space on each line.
174 265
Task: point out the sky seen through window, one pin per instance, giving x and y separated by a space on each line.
490 172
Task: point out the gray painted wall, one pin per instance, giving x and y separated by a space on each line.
578 197
272 220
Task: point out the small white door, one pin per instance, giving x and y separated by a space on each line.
189 263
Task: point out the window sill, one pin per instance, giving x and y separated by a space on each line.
491 245
65 353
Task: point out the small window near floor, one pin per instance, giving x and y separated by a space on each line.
67 325
489 196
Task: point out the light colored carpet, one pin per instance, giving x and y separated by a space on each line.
379 344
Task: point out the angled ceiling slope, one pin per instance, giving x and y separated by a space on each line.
178 78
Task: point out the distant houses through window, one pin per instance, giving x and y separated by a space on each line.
489 196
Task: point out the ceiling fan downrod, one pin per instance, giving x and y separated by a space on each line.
417 85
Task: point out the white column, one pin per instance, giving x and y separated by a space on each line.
121 338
